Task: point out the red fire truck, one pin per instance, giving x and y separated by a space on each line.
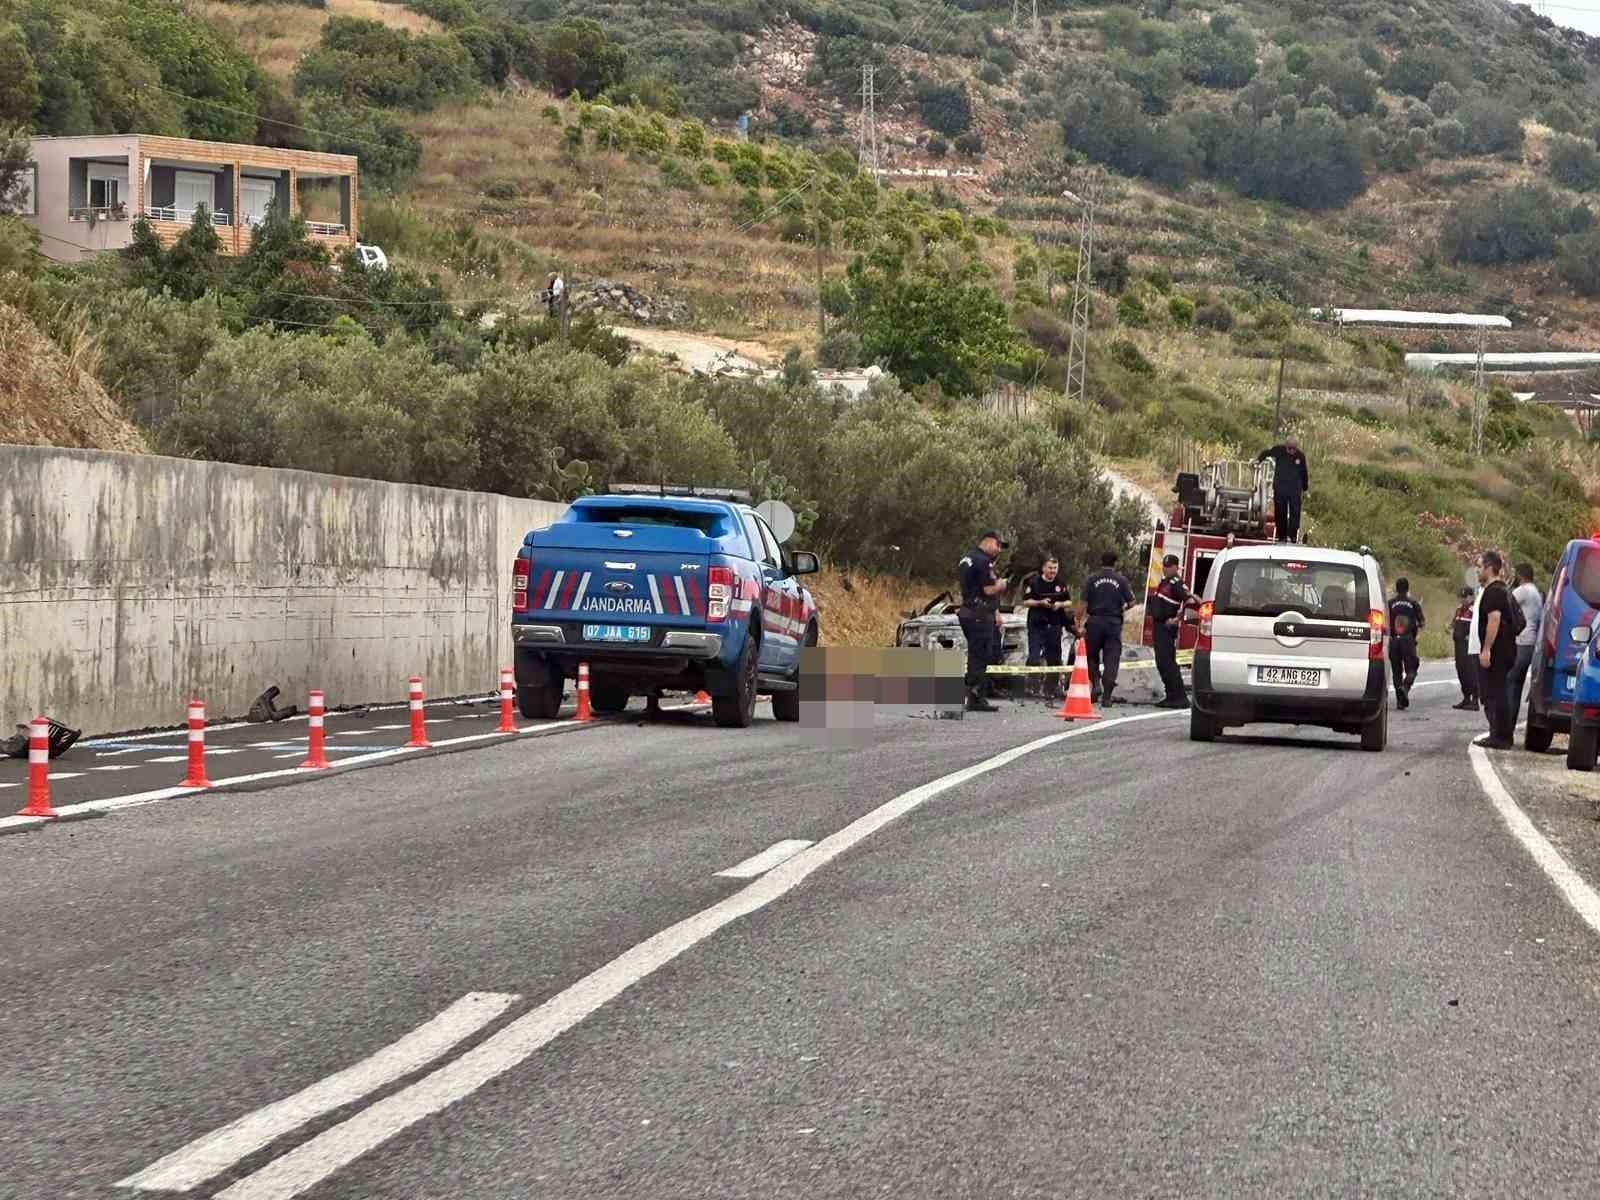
1227 503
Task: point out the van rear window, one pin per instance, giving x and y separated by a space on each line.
712 524
1586 576
1270 587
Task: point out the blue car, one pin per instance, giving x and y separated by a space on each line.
1584 740
1571 606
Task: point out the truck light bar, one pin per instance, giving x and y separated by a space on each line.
656 489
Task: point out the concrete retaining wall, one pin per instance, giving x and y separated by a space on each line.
128 582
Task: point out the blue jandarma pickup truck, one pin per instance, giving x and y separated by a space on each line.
674 589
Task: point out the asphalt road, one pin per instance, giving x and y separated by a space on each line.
1118 964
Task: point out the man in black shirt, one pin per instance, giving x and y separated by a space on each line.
1291 481
1106 597
1498 638
981 587
1045 596
1166 616
1466 668
1405 625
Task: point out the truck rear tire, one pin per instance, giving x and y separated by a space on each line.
1582 746
739 710
608 699
540 701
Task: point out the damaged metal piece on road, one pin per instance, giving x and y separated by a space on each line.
264 709
61 740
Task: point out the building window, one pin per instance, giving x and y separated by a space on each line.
105 193
26 201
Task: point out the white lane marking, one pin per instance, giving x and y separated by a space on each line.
391 727
3 786
55 775
1583 898
313 1161
222 1148
170 758
117 767
362 732
222 727
138 799
760 864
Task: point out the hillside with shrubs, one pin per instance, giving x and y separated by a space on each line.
1247 161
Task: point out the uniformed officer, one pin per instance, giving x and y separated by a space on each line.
979 615
1405 623
1466 668
1166 614
1106 597
1045 596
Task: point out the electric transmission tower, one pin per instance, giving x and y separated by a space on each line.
867 154
1078 346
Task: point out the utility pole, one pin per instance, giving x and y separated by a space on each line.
816 234
1277 407
1480 401
1082 301
867 155
1036 20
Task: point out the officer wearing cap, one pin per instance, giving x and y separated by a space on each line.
1106 596
1166 614
979 614
1405 624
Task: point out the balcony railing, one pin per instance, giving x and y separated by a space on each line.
115 212
326 228
183 216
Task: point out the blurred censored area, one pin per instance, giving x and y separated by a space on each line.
840 687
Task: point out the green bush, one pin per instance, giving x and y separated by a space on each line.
839 350
579 57
969 144
1506 226
945 108
1129 357
1182 310
937 146
1573 163
1492 127
709 175
368 63
1131 311
1218 317
1579 262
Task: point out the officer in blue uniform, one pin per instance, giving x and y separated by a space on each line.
981 588
1106 596
1405 623
1166 615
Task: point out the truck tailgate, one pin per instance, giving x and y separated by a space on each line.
651 578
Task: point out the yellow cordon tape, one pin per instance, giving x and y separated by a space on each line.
1185 659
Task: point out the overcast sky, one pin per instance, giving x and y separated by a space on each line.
1578 14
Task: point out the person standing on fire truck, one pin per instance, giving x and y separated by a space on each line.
1291 482
1405 625
1107 596
1166 614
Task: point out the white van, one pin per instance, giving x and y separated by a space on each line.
1293 635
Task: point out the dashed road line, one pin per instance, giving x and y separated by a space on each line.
314 1160
222 1148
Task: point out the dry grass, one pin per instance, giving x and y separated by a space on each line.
863 610
49 397
276 35
599 214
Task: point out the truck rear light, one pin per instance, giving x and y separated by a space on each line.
1375 624
519 585
1203 641
719 593
1589 713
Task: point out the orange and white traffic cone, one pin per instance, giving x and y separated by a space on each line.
39 771
419 732
317 760
196 776
583 693
508 686
1079 706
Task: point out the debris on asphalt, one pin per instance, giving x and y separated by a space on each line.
264 709
61 740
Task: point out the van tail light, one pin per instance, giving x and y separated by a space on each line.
1375 624
519 585
1203 641
719 593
